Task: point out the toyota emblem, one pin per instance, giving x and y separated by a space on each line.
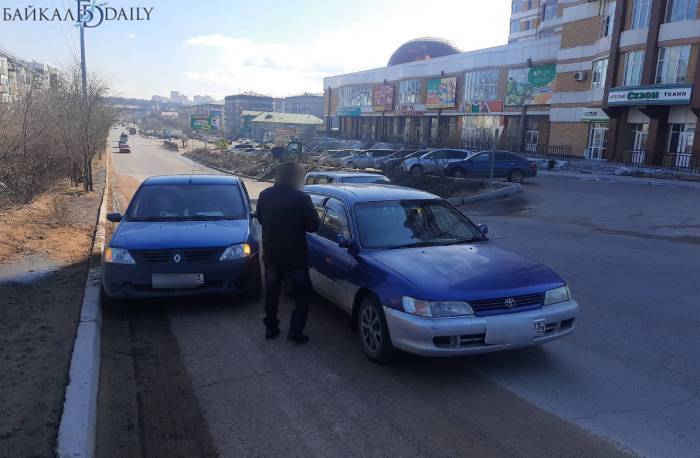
510 303
177 257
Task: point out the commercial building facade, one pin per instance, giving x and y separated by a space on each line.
306 104
601 79
234 105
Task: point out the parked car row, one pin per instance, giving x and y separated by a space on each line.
412 272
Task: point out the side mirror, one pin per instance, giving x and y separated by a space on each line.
483 228
343 242
114 217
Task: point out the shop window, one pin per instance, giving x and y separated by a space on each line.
600 71
640 13
481 85
634 60
681 10
680 138
433 129
480 131
672 66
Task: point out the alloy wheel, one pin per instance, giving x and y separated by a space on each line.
371 330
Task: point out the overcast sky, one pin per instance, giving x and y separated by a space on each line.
278 47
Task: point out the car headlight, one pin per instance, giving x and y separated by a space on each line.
118 256
436 309
557 295
242 250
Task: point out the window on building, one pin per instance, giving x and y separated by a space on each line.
519 6
515 26
551 9
640 13
681 10
600 71
672 66
481 85
607 12
634 60
480 131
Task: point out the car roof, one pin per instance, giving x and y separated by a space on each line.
190 179
344 174
354 193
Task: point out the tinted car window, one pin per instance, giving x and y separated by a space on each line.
456 154
439 155
324 180
335 222
505 157
318 202
481 158
187 202
310 180
405 223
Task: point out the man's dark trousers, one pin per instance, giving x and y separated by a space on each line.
298 276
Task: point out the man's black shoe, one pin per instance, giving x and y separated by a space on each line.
272 333
298 338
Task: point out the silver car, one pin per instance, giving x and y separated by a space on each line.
434 161
366 158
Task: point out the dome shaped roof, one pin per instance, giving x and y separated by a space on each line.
422 49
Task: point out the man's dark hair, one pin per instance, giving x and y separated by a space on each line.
287 173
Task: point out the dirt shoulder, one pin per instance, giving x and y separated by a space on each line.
44 259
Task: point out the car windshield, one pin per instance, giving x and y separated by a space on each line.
366 179
412 223
187 202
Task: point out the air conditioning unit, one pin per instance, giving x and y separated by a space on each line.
580 76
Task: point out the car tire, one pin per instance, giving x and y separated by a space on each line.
373 331
417 170
458 172
351 165
516 176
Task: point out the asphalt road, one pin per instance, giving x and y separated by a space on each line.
629 373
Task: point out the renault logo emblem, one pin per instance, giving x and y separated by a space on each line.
510 303
177 257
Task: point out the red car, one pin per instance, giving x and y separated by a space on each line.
124 148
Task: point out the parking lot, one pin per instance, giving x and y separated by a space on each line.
628 251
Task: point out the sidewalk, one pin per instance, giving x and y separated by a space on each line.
587 169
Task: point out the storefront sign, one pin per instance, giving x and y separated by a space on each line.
482 107
530 86
441 92
414 109
348 111
383 97
652 95
594 115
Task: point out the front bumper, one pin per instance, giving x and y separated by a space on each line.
126 281
470 335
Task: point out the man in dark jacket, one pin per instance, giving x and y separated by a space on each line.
286 215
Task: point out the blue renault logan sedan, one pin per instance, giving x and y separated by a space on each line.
416 274
183 235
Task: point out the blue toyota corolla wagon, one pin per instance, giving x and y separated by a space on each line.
183 235
416 274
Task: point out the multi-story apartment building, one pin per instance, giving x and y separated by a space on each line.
603 79
247 101
306 103
16 76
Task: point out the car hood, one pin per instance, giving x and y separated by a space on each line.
475 271
179 234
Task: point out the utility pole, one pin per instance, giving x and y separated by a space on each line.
83 65
82 19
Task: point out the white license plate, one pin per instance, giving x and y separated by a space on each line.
176 281
540 327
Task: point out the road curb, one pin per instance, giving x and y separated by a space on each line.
77 430
510 190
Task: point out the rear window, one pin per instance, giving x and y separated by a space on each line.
367 179
188 202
